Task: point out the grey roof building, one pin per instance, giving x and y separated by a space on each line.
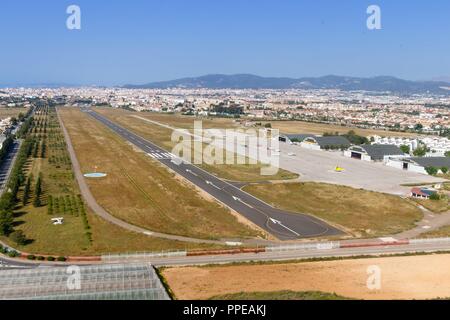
296 137
331 141
376 152
437 162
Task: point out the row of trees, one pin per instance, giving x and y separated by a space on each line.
6 147
434 171
25 128
9 198
38 192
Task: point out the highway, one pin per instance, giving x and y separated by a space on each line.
6 263
281 224
301 254
7 165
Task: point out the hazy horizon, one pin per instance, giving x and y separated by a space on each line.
149 41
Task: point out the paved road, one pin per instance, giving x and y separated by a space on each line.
281 224
6 264
301 254
320 251
7 165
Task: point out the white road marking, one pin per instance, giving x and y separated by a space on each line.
213 185
281 224
388 239
191 172
240 200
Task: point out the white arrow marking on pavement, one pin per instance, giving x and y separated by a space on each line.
281 224
213 185
240 200
191 172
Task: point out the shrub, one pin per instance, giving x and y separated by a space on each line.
432 171
51 259
40 258
31 257
435 197
13 254
61 259
444 170
18 237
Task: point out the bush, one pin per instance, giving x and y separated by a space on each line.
444 170
31 257
435 197
432 171
40 258
13 254
18 237
61 259
51 259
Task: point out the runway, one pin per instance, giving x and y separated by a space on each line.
281 224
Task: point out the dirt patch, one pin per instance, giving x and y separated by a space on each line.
419 277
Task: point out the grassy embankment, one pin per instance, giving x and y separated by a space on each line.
363 213
139 190
280 295
60 198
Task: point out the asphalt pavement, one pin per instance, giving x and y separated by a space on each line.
281 224
7 165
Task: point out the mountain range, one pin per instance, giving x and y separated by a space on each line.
249 81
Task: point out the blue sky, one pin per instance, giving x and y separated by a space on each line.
139 41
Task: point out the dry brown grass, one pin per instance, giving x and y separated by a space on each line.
11 112
141 191
436 206
443 232
292 127
365 213
419 277
70 238
162 137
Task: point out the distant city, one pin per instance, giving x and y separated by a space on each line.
421 113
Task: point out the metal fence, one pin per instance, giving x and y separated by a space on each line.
141 256
430 241
306 246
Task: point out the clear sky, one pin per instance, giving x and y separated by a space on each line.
138 41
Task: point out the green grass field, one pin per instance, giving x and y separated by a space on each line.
363 213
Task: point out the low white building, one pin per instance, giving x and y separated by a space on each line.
438 145
374 152
417 164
